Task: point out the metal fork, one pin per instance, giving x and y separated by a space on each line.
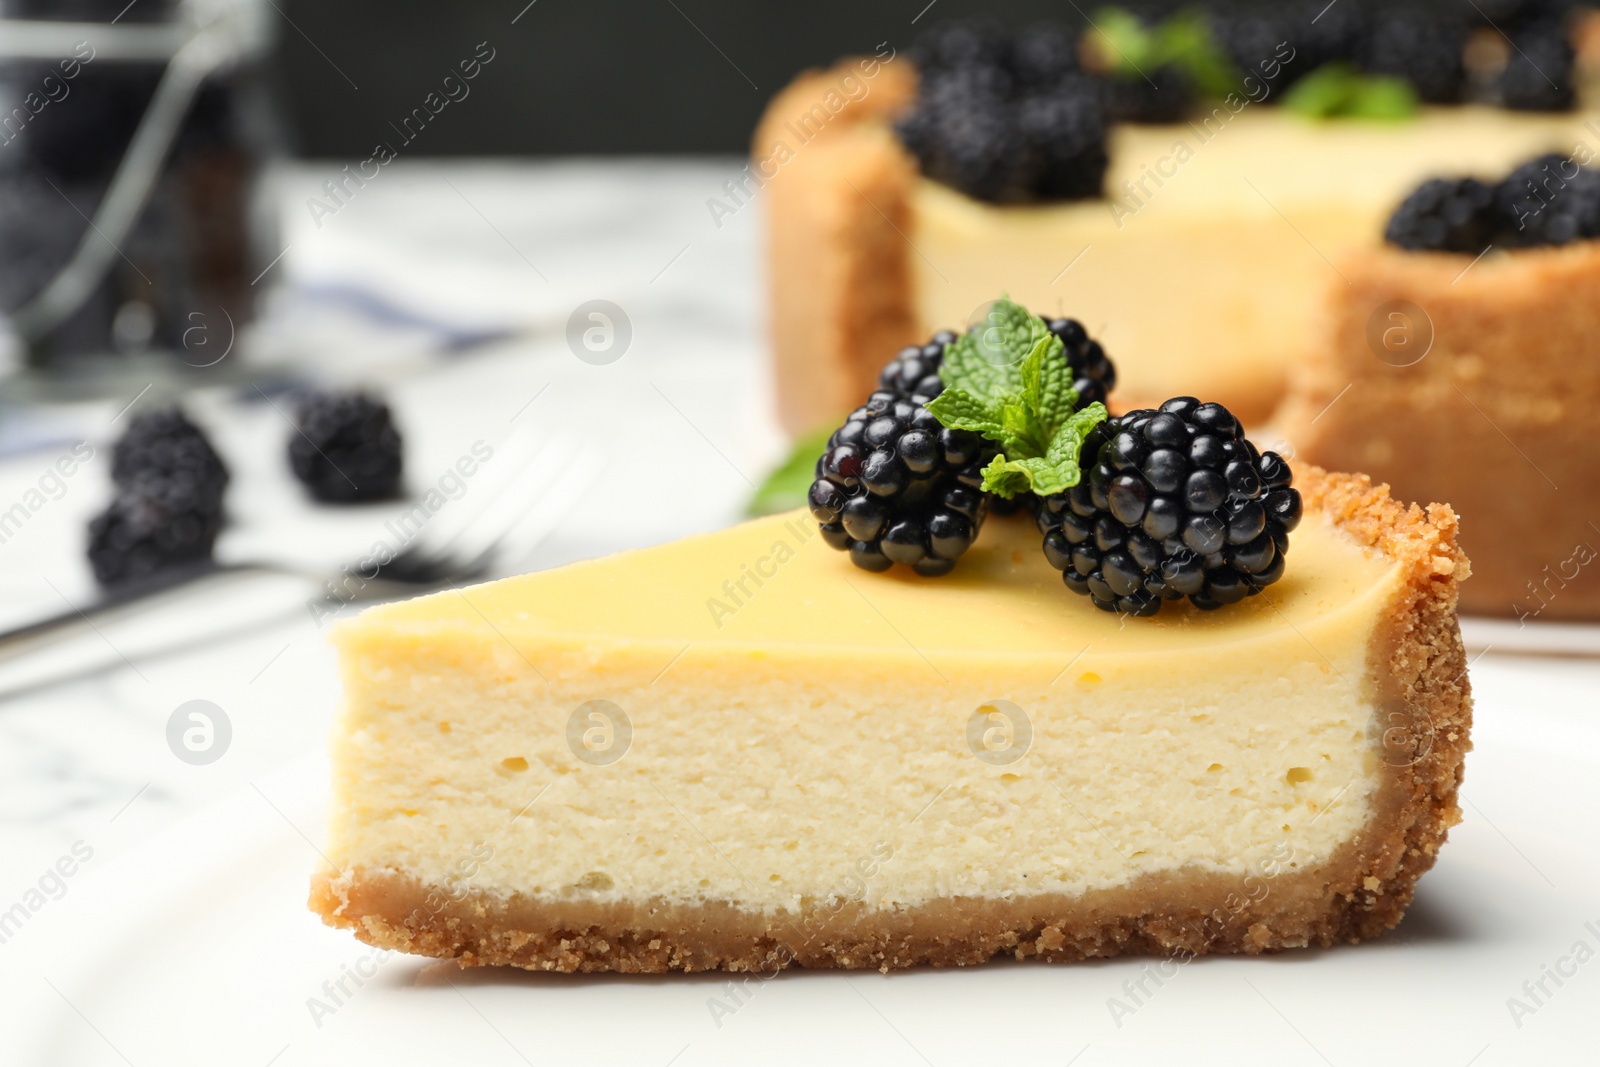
515 514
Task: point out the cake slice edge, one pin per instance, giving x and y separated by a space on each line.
1420 666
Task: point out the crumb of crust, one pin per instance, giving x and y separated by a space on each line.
1425 538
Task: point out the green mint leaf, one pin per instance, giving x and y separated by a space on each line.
1004 482
1383 98
1054 472
1123 45
1185 41
1067 442
1338 90
1322 93
1121 42
1026 404
986 361
968 368
1019 424
1047 382
1005 339
958 409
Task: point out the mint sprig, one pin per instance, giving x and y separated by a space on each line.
1008 380
1129 48
1339 90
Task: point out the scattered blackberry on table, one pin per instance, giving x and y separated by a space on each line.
895 486
347 448
1550 200
164 445
1446 215
168 505
1426 47
151 526
1538 75
1093 375
1176 503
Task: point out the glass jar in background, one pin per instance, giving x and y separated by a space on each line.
132 137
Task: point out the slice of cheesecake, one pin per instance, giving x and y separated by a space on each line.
1201 269
739 751
1474 382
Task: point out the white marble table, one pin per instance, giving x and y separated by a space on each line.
680 416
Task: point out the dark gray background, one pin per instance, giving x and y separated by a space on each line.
604 76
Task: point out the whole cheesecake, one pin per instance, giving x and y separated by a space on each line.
1204 263
738 751
1474 380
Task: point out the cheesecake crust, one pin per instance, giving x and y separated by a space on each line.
838 251
1498 417
1417 665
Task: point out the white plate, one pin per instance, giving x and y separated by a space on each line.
1547 638
197 949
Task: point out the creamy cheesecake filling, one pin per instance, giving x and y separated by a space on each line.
800 734
1203 269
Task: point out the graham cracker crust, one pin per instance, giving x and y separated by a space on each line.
1500 416
1417 664
838 250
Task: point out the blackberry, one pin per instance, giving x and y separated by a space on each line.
1093 375
1162 94
1064 132
165 446
1425 47
895 486
1251 35
1176 503
1445 215
913 374
1550 200
1513 15
972 129
1044 54
152 526
976 42
1327 34
964 132
1538 76
347 448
